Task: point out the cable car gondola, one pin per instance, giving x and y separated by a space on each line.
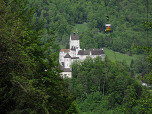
107 26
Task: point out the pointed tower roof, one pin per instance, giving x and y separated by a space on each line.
67 56
74 37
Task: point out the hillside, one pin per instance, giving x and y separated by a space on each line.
125 16
89 18
30 70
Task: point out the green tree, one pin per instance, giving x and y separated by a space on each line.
75 69
132 75
67 46
98 72
141 64
24 80
131 64
144 103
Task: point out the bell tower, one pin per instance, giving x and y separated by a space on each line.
67 61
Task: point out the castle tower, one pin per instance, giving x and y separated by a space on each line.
73 52
67 61
74 41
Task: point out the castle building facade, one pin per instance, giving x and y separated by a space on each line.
67 56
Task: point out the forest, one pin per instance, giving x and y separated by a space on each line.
104 87
125 16
32 33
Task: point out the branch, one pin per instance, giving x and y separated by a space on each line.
20 85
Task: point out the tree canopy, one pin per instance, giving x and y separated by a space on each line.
30 78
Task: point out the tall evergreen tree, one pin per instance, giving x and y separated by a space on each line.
132 74
132 62
30 79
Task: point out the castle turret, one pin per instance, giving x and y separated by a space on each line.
67 61
74 41
73 52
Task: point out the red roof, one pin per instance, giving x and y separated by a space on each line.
64 50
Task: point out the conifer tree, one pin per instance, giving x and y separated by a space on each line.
132 62
132 74
30 79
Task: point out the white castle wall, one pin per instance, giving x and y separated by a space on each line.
68 74
75 43
61 57
72 53
67 62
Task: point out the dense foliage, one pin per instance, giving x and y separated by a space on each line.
30 80
126 17
105 87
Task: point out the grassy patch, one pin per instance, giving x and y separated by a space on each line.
62 47
80 27
150 91
119 56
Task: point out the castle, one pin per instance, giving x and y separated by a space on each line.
67 56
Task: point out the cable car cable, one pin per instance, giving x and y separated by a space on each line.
147 22
106 7
147 32
109 29
147 43
112 45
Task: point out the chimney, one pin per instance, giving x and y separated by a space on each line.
102 48
90 53
84 49
93 49
77 33
74 33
